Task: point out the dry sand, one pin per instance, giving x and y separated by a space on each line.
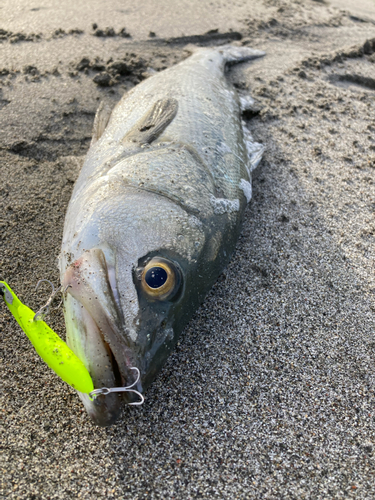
270 393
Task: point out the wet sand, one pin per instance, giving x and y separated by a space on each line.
270 392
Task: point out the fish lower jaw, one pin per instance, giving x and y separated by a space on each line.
105 409
119 363
102 413
96 320
90 343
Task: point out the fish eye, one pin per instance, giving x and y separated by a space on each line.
156 277
160 278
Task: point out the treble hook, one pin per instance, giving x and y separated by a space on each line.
105 390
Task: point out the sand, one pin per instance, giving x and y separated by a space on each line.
270 392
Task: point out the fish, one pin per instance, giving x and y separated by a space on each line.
153 219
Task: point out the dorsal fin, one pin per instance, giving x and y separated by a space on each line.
153 123
101 120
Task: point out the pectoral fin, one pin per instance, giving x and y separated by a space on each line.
153 123
100 122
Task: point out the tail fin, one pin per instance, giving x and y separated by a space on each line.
230 53
233 55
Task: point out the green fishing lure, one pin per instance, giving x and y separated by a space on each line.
48 344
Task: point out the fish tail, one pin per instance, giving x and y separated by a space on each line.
234 55
222 55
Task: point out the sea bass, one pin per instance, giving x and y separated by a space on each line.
153 219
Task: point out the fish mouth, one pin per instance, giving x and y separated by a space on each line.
96 334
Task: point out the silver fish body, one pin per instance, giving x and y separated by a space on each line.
153 219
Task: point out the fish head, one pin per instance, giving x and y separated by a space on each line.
129 267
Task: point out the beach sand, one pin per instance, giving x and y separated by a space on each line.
270 392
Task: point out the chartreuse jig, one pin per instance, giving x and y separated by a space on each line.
55 352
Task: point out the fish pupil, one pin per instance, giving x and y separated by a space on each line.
156 277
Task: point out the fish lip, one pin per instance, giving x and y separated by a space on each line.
105 409
88 281
100 410
121 377
90 299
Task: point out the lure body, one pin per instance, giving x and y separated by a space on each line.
48 344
